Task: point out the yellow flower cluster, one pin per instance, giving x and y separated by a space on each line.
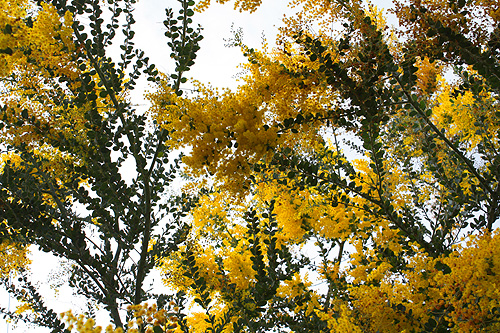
239 266
177 276
13 256
23 308
51 41
236 261
145 318
241 5
81 324
467 295
342 322
472 287
200 323
227 131
460 115
11 14
48 43
39 54
295 288
298 211
148 316
427 76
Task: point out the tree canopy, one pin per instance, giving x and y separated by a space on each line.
349 184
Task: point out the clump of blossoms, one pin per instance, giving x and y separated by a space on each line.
146 318
13 257
81 324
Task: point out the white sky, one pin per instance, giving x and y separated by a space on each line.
215 63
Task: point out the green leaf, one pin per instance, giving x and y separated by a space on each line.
442 267
7 29
7 51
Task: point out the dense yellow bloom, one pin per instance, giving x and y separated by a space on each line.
145 317
13 257
249 113
343 323
48 43
296 288
465 295
81 324
465 116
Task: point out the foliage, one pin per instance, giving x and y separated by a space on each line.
68 130
379 152
349 184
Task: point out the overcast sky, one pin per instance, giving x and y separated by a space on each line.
215 63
